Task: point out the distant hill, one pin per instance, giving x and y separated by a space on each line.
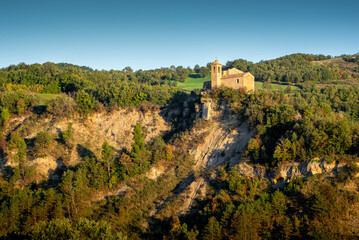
299 68
347 64
64 66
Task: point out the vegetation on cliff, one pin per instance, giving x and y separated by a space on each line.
136 191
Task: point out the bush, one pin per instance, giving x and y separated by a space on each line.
62 106
352 169
17 101
4 116
42 141
85 102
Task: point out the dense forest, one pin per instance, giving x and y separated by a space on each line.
317 124
296 68
121 88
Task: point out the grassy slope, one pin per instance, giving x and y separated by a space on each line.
193 83
44 98
274 86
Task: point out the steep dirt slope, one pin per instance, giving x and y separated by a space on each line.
226 138
222 145
88 135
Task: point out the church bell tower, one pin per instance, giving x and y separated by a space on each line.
216 74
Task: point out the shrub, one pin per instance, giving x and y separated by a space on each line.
4 117
61 106
85 102
17 101
42 141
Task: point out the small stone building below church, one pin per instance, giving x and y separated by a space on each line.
232 78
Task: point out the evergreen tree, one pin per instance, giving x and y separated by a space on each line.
4 117
139 152
126 162
42 141
212 231
85 102
107 157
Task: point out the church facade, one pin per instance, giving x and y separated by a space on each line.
232 78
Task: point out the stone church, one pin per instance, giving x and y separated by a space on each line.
232 78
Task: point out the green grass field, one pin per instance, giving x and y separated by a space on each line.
193 83
275 87
44 98
197 83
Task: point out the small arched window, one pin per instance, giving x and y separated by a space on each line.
237 80
219 70
214 69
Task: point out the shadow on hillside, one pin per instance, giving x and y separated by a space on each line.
180 113
39 110
55 175
84 152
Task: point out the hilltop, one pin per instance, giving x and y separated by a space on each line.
129 155
345 65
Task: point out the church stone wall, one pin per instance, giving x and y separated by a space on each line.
248 82
232 83
232 78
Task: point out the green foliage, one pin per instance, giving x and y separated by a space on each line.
96 230
203 72
61 106
67 137
4 117
81 229
57 229
85 102
285 151
107 157
240 64
139 152
354 58
122 88
17 142
298 127
267 85
160 151
107 152
42 141
295 68
291 214
212 231
17 101
139 97
279 203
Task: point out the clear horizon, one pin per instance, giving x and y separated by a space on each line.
148 35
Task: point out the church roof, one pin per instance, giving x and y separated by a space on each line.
216 62
236 75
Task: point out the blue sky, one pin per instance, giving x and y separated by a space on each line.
151 34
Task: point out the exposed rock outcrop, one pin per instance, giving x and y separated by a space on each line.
115 127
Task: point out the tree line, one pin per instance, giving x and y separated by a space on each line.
294 68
